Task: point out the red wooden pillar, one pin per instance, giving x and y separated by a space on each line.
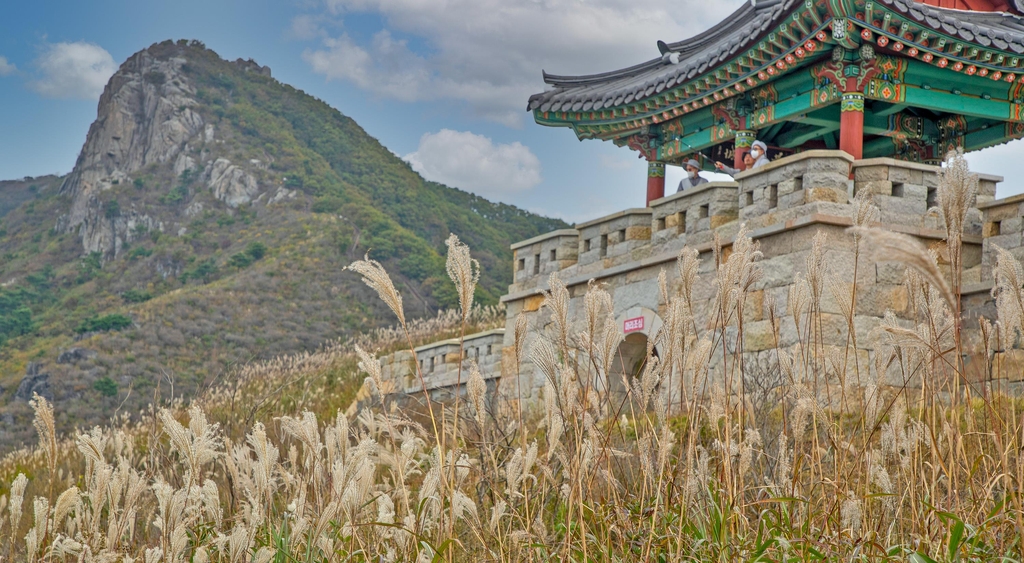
851 125
744 140
655 181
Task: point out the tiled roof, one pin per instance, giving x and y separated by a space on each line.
741 30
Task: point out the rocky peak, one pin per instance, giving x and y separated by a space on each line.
148 115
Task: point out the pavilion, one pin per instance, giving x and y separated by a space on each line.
875 78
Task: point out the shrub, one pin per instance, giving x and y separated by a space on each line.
240 260
139 252
256 250
136 296
105 323
203 272
105 386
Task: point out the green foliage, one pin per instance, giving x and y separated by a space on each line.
104 323
139 183
136 296
89 267
155 77
202 272
112 209
139 252
105 386
256 250
180 192
253 252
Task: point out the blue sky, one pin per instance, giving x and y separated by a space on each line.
441 83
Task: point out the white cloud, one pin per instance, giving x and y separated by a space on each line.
488 54
305 28
6 67
73 70
474 163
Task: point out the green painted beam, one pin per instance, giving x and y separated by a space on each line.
887 111
919 73
794 139
980 139
947 102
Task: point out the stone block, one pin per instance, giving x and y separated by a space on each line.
719 220
1002 212
791 200
833 195
790 185
905 175
875 300
1012 225
877 187
870 173
830 165
777 272
986 189
1009 365
533 303
896 209
889 273
758 335
638 233
1007 241
915 191
826 180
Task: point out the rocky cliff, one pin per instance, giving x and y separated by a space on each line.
146 116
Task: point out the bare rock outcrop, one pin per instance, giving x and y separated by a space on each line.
145 116
34 382
230 183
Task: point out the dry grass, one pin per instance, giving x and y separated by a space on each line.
812 456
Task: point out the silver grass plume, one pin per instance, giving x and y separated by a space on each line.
958 189
688 265
464 272
865 212
17 501
371 365
557 300
1009 281
520 331
476 388
45 427
378 280
887 246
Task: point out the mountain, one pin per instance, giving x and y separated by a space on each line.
206 224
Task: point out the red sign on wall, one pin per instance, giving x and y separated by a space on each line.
633 325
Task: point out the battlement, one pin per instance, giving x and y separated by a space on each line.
784 206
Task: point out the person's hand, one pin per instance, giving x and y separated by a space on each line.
719 165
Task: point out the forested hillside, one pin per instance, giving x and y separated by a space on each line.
206 224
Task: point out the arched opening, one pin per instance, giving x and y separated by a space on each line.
630 361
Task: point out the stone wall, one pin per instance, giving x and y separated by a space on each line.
784 206
440 364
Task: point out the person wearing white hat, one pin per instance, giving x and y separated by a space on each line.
759 151
693 178
756 157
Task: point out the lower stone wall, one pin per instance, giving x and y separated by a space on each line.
445 367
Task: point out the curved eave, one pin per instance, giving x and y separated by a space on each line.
685 47
999 30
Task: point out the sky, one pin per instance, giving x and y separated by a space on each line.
441 83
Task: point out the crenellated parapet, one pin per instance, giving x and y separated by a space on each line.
784 206
691 216
535 259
